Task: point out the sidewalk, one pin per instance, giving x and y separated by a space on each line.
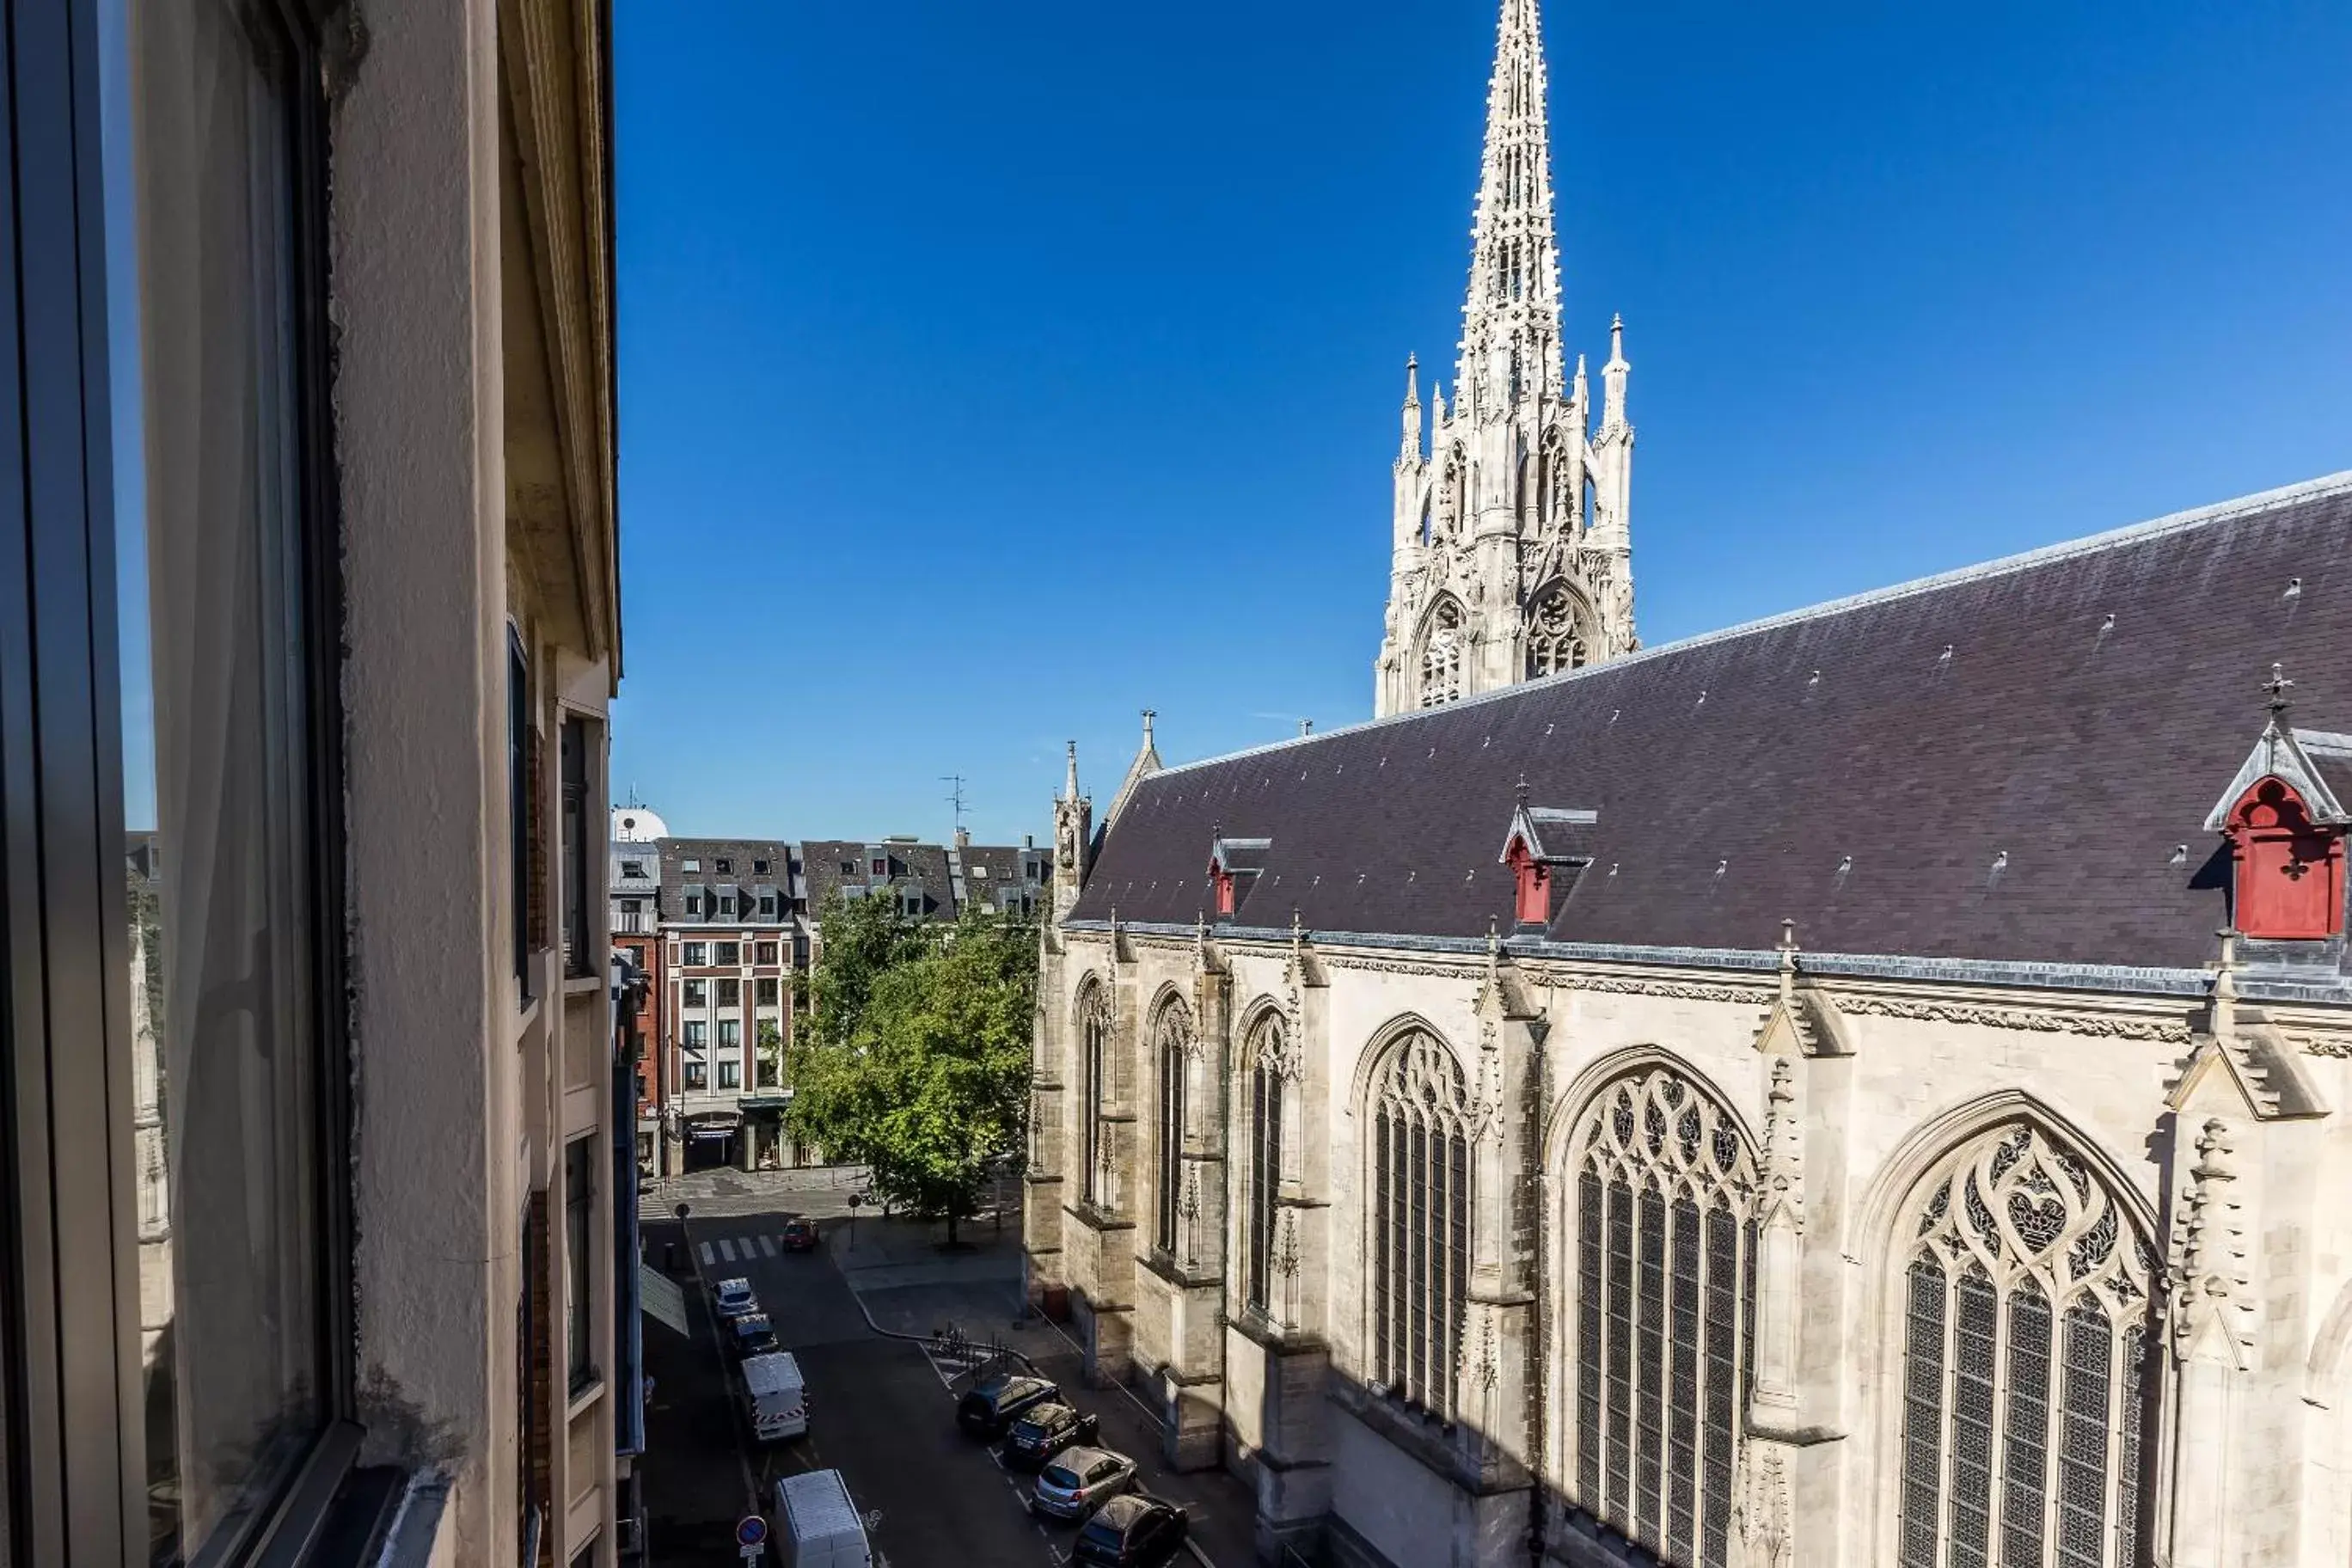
908 1285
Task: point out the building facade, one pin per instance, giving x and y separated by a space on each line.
633 875
316 1168
1512 553
727 996
1778 1099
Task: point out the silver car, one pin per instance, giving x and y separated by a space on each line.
1079 1481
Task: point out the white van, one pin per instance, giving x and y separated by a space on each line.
774 1397
817 1526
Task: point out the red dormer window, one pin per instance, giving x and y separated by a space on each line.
1534 878
2290 869
1225 881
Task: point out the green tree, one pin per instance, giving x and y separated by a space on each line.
916 1062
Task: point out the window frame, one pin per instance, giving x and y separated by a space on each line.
76 1472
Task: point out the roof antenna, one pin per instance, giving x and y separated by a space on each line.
955 798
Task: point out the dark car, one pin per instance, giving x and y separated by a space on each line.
996 1403
1045 1431
753 1335
1079 1481
800 1235
1132 1530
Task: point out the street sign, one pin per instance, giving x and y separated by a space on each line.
683 1211
750 1533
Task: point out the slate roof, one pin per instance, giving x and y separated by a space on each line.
2027 795
742 856
1002 864
923 865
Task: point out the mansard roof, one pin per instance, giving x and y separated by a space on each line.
2013 761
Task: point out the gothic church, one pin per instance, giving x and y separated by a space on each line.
1873 1087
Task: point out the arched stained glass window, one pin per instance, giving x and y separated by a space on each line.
1441 656
2025 1303
1265 1171
1662 1247
1094 1047
1419 1235
1556 634
1174 1037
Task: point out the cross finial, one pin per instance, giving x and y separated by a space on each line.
1788 959
1523 789
2278 686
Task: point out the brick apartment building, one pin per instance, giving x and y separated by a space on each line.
726 922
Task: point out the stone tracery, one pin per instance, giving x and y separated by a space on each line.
2024 1342
1661 1255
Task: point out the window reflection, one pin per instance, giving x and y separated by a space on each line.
218 793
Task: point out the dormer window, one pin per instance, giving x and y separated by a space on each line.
1233 865
1533 879
1543 840
2284 817
2290 869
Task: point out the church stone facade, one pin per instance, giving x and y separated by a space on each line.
1871 1087
1513 557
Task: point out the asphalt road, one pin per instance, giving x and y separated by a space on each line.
878 1413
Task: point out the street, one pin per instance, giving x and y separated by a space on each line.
881 1408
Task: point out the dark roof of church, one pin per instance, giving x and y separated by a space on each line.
2009 762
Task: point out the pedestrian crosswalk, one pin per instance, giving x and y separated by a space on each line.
740 1248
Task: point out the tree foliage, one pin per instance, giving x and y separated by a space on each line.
916 1062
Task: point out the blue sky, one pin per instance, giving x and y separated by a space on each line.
991 372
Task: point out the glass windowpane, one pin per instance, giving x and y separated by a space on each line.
218 771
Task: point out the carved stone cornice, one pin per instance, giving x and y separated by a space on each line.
1683 990
2099 1025
1406 966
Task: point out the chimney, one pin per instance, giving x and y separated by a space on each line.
963 837
1028 841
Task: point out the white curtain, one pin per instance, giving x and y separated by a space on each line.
223 530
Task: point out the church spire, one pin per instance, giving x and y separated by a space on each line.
1410 449
1510 322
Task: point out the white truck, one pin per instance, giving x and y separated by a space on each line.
776 1399
816 1525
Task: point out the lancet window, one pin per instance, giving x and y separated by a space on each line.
1173 1037
1663 1249
1556 640
1441 656
1094 1048
2025 1346
1264 1133
1419 1230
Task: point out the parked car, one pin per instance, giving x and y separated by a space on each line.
800 1235
754 1335
1045 1431
1080 1480
735 1298
1133 1530
995 1402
